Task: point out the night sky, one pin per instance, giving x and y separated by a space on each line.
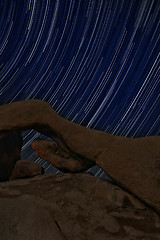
96 62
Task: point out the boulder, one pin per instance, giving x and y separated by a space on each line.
25 169
10 152
73 206
59 158
133 164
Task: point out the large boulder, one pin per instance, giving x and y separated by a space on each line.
134 164
73 206
10 152
52 153
25 169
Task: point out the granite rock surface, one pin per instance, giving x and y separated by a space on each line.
73 207
52 153
133 164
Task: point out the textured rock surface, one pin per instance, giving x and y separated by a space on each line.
28 221
24 169
52 153
73 206
10 152
133 163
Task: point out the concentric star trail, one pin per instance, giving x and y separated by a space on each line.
97 62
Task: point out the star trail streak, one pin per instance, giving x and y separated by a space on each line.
97 62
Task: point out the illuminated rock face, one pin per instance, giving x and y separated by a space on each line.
64 160
73 206
133 164
10 153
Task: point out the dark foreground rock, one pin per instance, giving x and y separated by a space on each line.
73 207
10 152
25 169
131 163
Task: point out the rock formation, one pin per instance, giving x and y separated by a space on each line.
73 206
134 164
10 152
25 169
52 153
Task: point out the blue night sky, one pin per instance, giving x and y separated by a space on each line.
95 61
